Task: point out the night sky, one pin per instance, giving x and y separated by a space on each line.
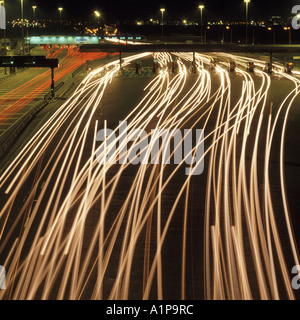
137 9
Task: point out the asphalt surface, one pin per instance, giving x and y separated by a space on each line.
120 97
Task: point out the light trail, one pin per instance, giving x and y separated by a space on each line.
11 102
240 228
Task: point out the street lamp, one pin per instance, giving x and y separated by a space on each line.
60 12
22 25
247 5
22 18
162 24
290 34
228 28
97 14
34 10
4 34
201 7
274 35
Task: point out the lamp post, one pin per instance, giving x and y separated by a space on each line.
22 26
60 12
162 23
97 14
201 7
2 3
290 33
34 11
247 8
228 28
22 18
274 35
205 33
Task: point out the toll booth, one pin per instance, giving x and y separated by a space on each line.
87 67
268 67
288 68
193 66
232 66
175 66
213 65
156 66
250 66
138 67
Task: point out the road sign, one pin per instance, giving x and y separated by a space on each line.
296 58
31 62
28 62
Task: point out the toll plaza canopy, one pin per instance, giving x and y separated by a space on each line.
76 40
124 47
62 40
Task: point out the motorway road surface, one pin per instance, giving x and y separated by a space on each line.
76 227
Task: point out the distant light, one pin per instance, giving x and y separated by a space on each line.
162 10
60 9
247 1
97 13
201 7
